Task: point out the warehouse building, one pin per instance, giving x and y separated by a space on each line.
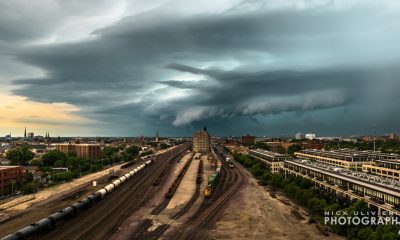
380 193
340 158
201 141
271 160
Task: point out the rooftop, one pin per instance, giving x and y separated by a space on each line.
7 167
376 181
269 153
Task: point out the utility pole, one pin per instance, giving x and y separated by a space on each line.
374 131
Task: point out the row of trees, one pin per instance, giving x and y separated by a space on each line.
77 166
302 191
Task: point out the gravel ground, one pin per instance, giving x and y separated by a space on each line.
253 214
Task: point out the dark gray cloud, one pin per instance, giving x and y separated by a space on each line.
260 71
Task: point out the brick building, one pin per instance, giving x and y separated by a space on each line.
9 175
89 151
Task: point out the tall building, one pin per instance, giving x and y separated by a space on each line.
89 151
392 136
310 136
247 140
201 141
25 132
299 136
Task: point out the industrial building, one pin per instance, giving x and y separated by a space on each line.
339 158
201 141
382 171
380 193
88 151
271 160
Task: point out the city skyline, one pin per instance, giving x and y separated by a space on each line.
260 67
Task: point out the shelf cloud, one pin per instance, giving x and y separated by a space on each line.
259 67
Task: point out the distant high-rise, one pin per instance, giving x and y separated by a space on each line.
310 136
201 141
247 140
299 136
392 136
157 137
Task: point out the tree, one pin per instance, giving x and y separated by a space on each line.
261 145
108 151
29 187
53 156
133 151
163 146
15 156
20 156
72 154
294 148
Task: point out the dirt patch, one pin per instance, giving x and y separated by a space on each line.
254 214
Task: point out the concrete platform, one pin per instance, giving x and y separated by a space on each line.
187 187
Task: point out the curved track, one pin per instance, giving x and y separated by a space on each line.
103 219
230 183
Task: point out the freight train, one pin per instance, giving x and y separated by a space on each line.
213 180
51 221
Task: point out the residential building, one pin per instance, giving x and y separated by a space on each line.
88 151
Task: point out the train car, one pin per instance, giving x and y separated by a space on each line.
212 183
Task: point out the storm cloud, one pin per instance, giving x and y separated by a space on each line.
241 67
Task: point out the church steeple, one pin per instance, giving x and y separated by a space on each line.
25 132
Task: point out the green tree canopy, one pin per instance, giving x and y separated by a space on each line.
20 156
133 151
294 148
108 151
53 156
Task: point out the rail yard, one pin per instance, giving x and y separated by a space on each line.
178 194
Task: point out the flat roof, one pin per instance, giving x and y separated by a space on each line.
7 167
269 153
379 187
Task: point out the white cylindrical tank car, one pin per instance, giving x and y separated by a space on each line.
102 192
122 179
109 188
117 183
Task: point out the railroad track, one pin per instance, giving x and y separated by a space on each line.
232 182
104 219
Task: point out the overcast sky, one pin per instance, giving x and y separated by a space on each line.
126 68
